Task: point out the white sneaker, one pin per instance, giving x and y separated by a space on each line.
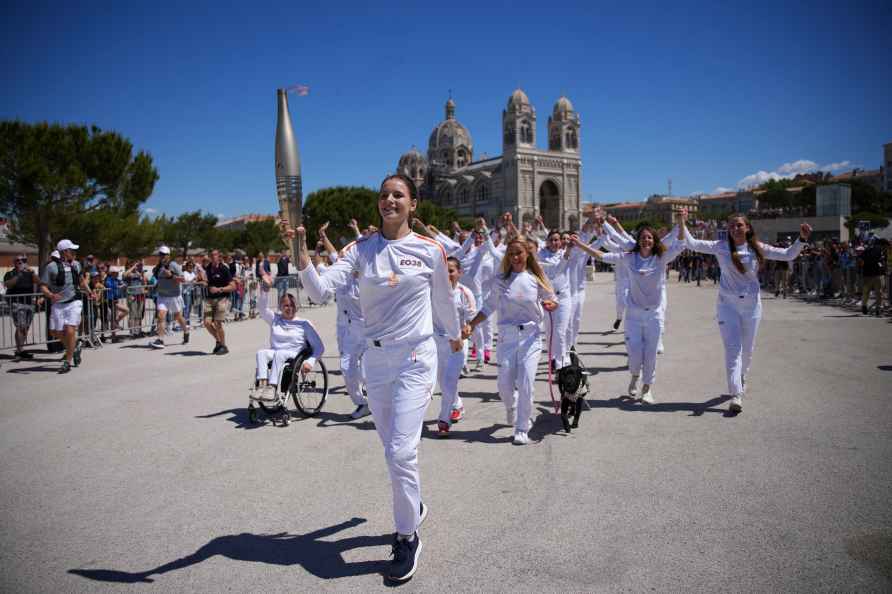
736 405
361 411
465 372
521 438
647 395
633 386
660 349
511 416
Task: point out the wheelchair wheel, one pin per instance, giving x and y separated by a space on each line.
308 391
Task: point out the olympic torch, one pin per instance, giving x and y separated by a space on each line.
288 184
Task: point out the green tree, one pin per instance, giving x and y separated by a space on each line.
108 235
338 205
194 228
50 173
261 236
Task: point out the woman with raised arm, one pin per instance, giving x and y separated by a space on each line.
739 308
288 335
403 286
520 294
646 267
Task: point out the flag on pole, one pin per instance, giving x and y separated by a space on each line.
300 90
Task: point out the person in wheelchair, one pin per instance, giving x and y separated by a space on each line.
288 336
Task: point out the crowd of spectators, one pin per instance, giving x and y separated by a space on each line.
116 296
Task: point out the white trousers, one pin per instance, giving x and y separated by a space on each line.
449 366
663 307
575 318
351 346
518 355
487 331
278 358
642 337
620 291
738 323
556 325
400 379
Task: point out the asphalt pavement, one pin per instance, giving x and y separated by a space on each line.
139 471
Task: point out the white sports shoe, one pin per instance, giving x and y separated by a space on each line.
736 405
361 411
647 395
633 386
521 438
510 416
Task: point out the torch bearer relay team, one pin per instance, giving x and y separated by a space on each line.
410 303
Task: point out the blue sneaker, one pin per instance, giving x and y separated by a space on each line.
405 555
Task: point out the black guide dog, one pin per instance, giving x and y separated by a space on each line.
573 383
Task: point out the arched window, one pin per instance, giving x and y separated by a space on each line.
526 132
554 139
509 134
465 196
462 158
482 194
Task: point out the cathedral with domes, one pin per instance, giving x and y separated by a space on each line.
524 180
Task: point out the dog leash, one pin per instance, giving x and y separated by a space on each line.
557 408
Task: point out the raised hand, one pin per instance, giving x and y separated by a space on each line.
611 219
323 228
354 225
804 231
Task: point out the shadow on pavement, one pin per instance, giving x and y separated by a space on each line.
188 354
238 417
697 409
328 419
323 559
43 368
884 367
482 435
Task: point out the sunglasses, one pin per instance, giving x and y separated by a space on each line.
20 261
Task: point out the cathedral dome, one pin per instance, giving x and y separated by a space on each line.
450 142
518 100
562 107
412 164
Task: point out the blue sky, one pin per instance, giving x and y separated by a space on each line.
703 93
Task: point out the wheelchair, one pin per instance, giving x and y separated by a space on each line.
306 392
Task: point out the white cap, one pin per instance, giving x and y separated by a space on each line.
66 244
164 250
55 254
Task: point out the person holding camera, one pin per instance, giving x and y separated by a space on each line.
20 283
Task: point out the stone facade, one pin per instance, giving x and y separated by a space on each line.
525 180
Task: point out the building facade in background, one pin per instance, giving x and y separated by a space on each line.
524 180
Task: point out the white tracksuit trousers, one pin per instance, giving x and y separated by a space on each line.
556 326
642 336
738 324
620 291
478 337
351 346
278 358
575 318
449 366
399 380
487 325
663 307
518 356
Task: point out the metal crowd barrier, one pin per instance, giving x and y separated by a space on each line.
130 313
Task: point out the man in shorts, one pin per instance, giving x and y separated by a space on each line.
168 276
20 285
220 284
60 282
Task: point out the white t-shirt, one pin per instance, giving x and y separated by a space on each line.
518 299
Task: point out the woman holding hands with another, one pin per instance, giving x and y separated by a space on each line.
739 308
